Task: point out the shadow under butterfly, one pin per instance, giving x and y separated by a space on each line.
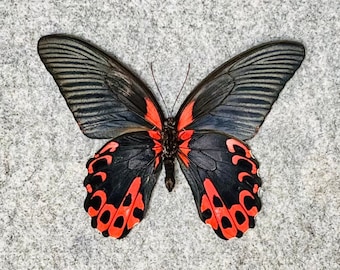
206 136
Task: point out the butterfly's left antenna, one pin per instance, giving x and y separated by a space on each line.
180 91
159 91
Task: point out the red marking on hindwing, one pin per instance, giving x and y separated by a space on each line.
102 175
152 115
243 194
89 188
205 204
107 158
157 161
158 148
219 215
231 143
132 221
111 147
238 210
184 136
101 195
109 210
124 216
155 135
186 117
241 176
236 159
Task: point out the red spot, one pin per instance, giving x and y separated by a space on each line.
244 226
158 148
184 158
126 212
89 188
184 149
102 196
206 204
231 143
185 135
157 161
236 159
217 212
243 194
102 175
132 221
155 135
111 147
256 188
186 117
152 115
101 226
106 157
241 176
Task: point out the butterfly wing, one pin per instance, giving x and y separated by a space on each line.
121 177
231 102
237 96
106 99
222 174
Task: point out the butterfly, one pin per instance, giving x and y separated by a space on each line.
206 136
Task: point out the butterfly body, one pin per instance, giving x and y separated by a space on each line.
206 136
170 149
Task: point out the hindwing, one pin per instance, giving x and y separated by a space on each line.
121 177
222 174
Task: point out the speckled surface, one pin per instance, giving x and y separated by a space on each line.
43 153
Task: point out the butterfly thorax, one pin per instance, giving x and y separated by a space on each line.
170 148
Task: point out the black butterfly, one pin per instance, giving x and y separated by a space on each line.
206 135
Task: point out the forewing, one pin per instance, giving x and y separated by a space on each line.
121 177
237 96
222 174
105 98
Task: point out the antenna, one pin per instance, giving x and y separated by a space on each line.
180 91
160 93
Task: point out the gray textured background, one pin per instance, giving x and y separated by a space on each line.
43 153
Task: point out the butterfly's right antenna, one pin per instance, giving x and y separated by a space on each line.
159 91
180 91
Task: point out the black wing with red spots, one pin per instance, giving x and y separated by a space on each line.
222 174
121 177
237 96
106 99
